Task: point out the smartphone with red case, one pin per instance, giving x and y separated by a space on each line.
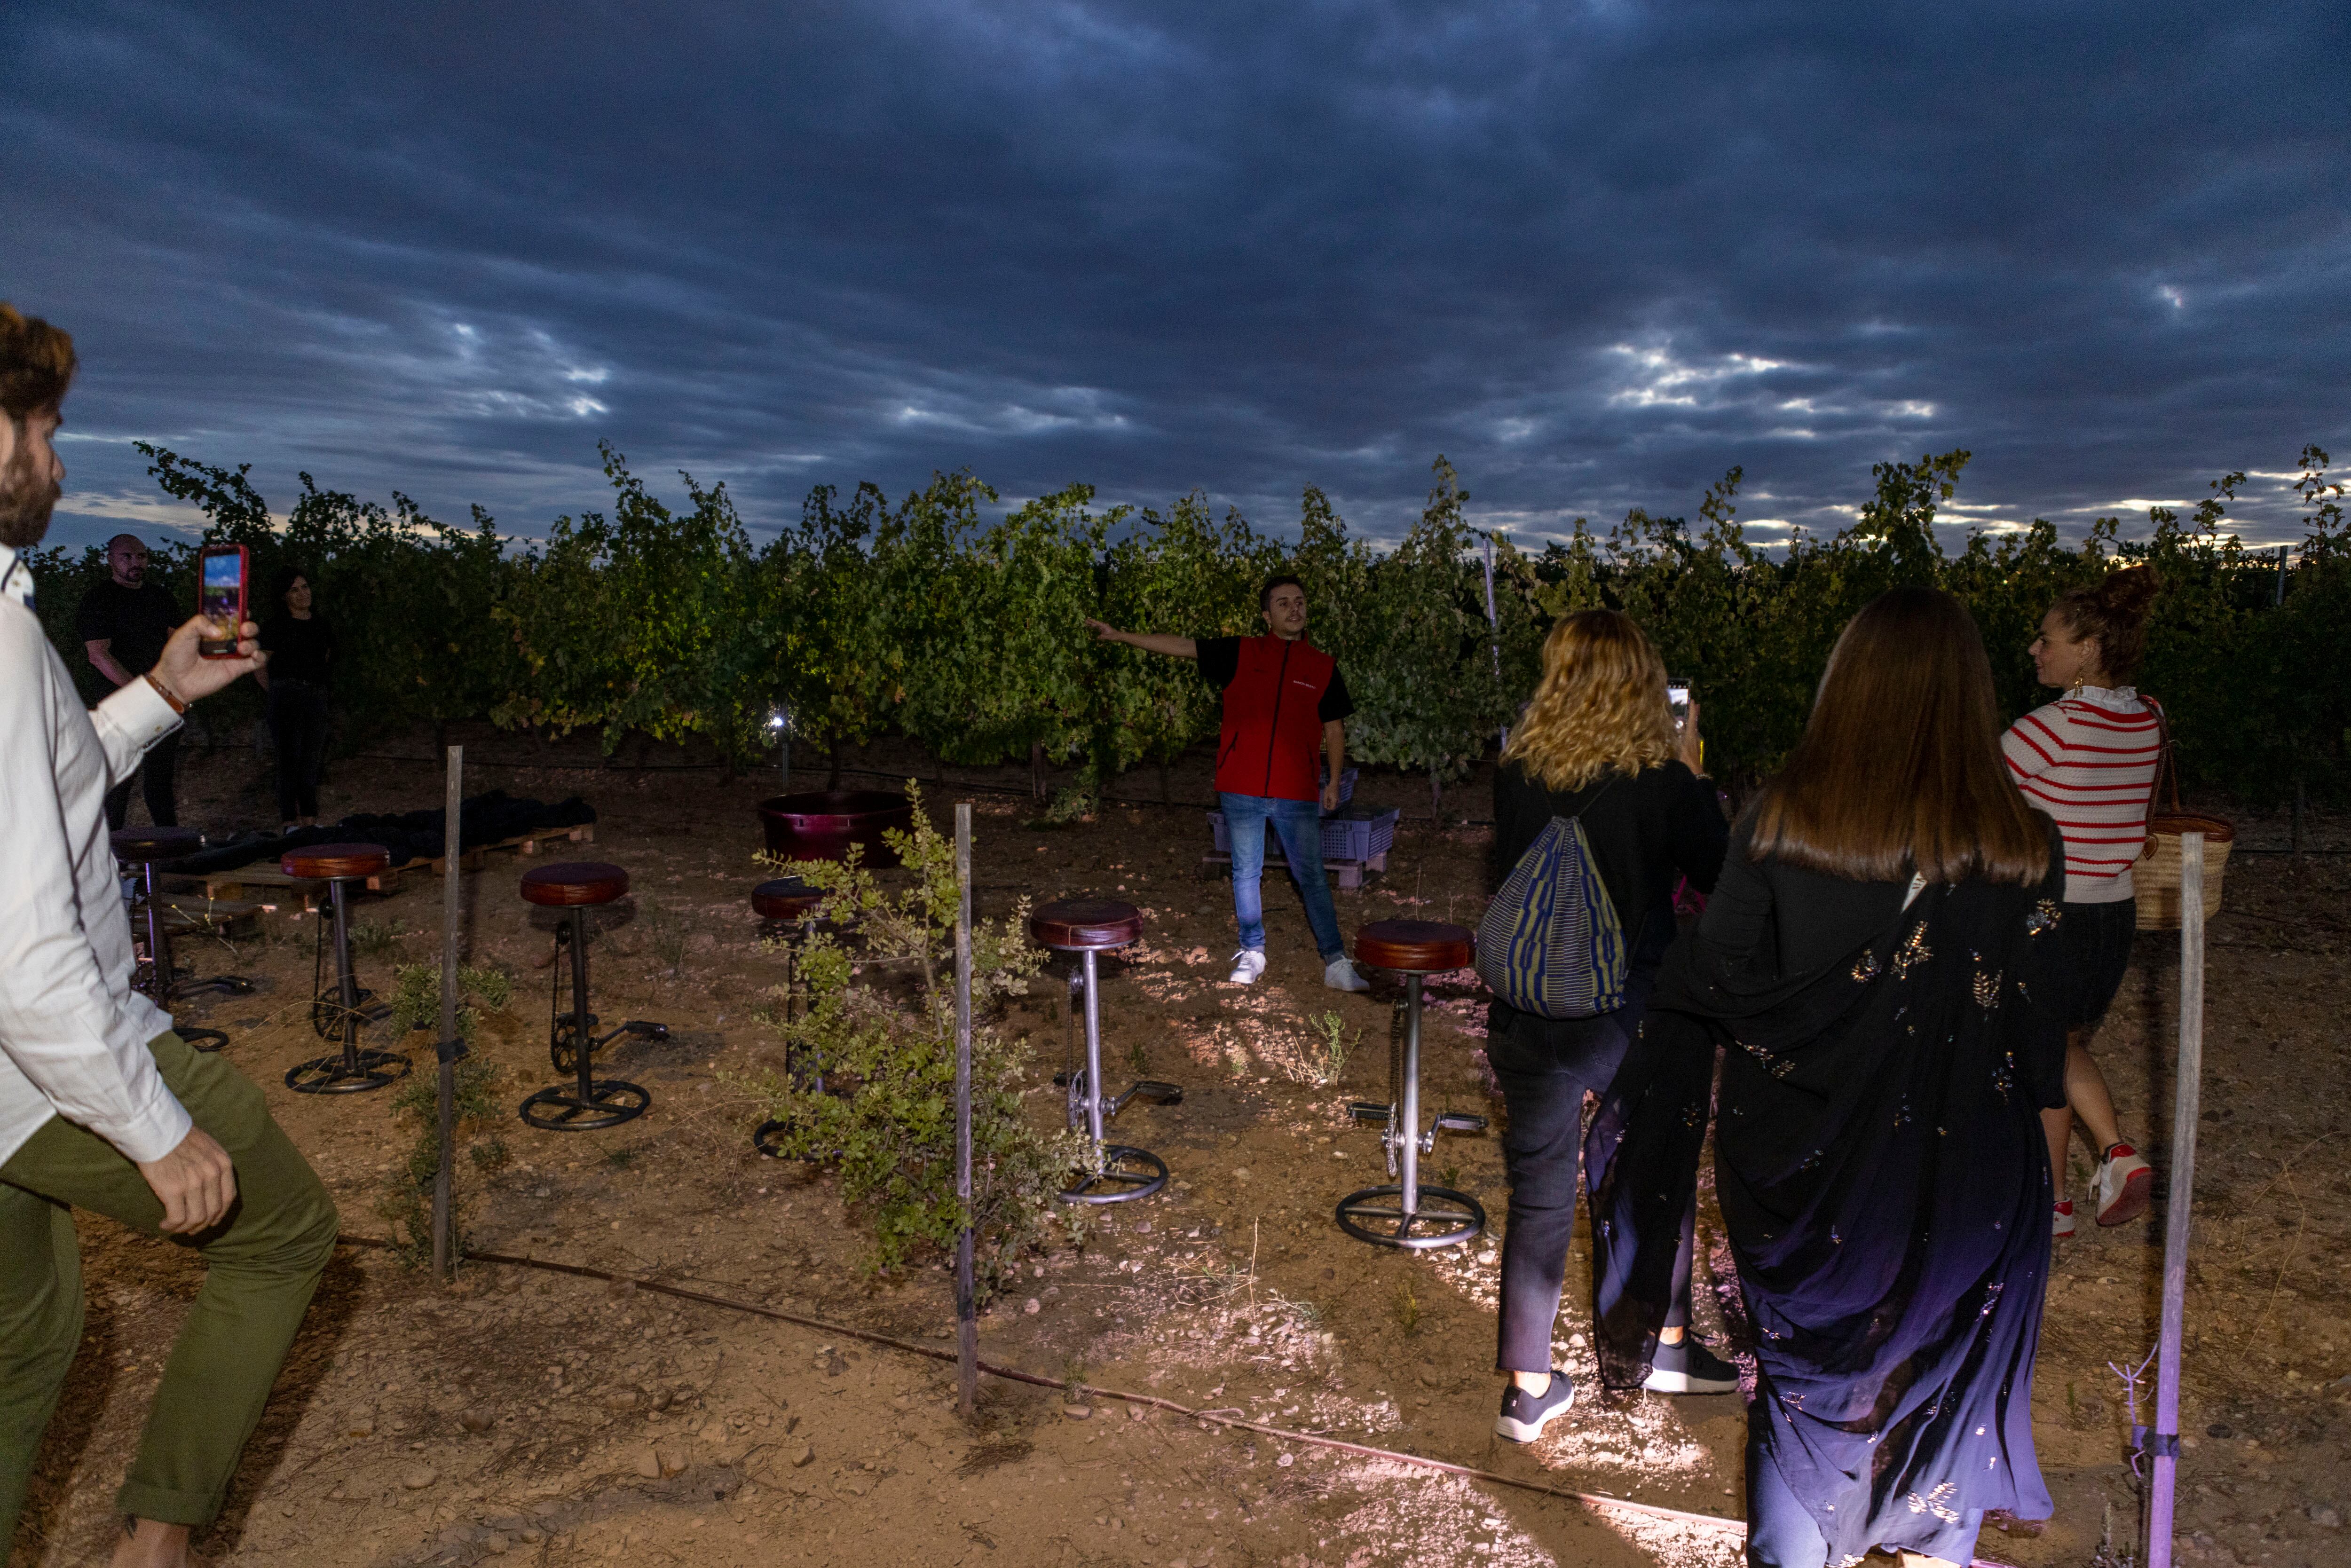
224 572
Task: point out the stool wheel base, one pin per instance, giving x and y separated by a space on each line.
329 1075
608 1104
1376 1215
1127 1173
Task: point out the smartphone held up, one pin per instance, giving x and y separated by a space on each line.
222 573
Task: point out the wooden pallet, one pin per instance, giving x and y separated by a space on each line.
272 889
1351 874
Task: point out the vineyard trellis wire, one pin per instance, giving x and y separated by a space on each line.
926 619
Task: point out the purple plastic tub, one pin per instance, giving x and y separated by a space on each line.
821 824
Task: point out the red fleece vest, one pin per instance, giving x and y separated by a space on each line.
1271 742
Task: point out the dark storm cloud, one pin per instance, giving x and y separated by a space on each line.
1596 254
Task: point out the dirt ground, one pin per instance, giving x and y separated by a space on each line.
528 1417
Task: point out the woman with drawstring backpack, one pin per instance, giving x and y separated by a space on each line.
2089 760
1598 808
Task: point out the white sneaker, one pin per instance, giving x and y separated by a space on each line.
1340 975
2126 1183
1247 965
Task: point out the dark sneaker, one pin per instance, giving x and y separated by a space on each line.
1524 1415
1689 1368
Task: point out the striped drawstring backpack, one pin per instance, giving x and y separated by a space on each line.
1550 943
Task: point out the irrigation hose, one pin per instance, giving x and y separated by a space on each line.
1151 1401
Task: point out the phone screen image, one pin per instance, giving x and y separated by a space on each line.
1677 698
220 597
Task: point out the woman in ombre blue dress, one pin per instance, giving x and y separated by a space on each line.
1879 967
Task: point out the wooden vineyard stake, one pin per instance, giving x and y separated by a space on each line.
967 1320
449 1048
2162 1444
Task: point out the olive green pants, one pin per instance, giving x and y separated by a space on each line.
261 1265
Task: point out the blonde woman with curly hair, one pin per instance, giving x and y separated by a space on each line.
1597 743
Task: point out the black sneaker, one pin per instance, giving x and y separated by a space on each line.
1688 1367
1524 1415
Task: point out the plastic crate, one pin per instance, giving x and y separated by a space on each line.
1347 835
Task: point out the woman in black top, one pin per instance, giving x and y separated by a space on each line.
1596 741
1879 967
301 648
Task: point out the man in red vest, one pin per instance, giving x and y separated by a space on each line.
1284 702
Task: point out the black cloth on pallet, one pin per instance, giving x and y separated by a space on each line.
408 836
1885 1183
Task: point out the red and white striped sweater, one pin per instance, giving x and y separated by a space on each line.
2088 760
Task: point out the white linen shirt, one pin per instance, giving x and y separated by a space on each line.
73 1034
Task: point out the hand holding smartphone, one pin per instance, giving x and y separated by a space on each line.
1678 694
223 575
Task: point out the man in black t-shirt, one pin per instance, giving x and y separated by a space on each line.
1285 710
124 624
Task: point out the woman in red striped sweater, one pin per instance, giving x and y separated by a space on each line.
2089 760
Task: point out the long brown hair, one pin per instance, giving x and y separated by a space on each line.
1601 704
1899 768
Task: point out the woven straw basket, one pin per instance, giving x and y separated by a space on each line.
2156 877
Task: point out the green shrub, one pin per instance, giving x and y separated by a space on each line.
880 1027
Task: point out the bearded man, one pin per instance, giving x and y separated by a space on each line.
102 1107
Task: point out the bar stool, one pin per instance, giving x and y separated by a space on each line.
587 1103
1087 926
786 909
1412 1214
158 976
350 1071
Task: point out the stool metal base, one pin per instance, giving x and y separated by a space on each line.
768 1135
1443 1218
1127 1173
354 1072
567 1108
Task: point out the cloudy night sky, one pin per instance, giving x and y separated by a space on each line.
1595 254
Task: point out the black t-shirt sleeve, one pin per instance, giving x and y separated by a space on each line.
95 620
1220 659
1336 704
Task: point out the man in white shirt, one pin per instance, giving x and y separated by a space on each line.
102 1106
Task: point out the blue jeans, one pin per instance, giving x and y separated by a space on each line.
1300 825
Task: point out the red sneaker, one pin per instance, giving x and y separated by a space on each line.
2061 1219
2126 1183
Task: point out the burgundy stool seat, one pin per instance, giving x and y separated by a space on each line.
574 882
785 898
145 846
1415 946
335 863
1086 924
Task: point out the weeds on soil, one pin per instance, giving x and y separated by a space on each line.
870 1086
1406 1307
375 938
407 1204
